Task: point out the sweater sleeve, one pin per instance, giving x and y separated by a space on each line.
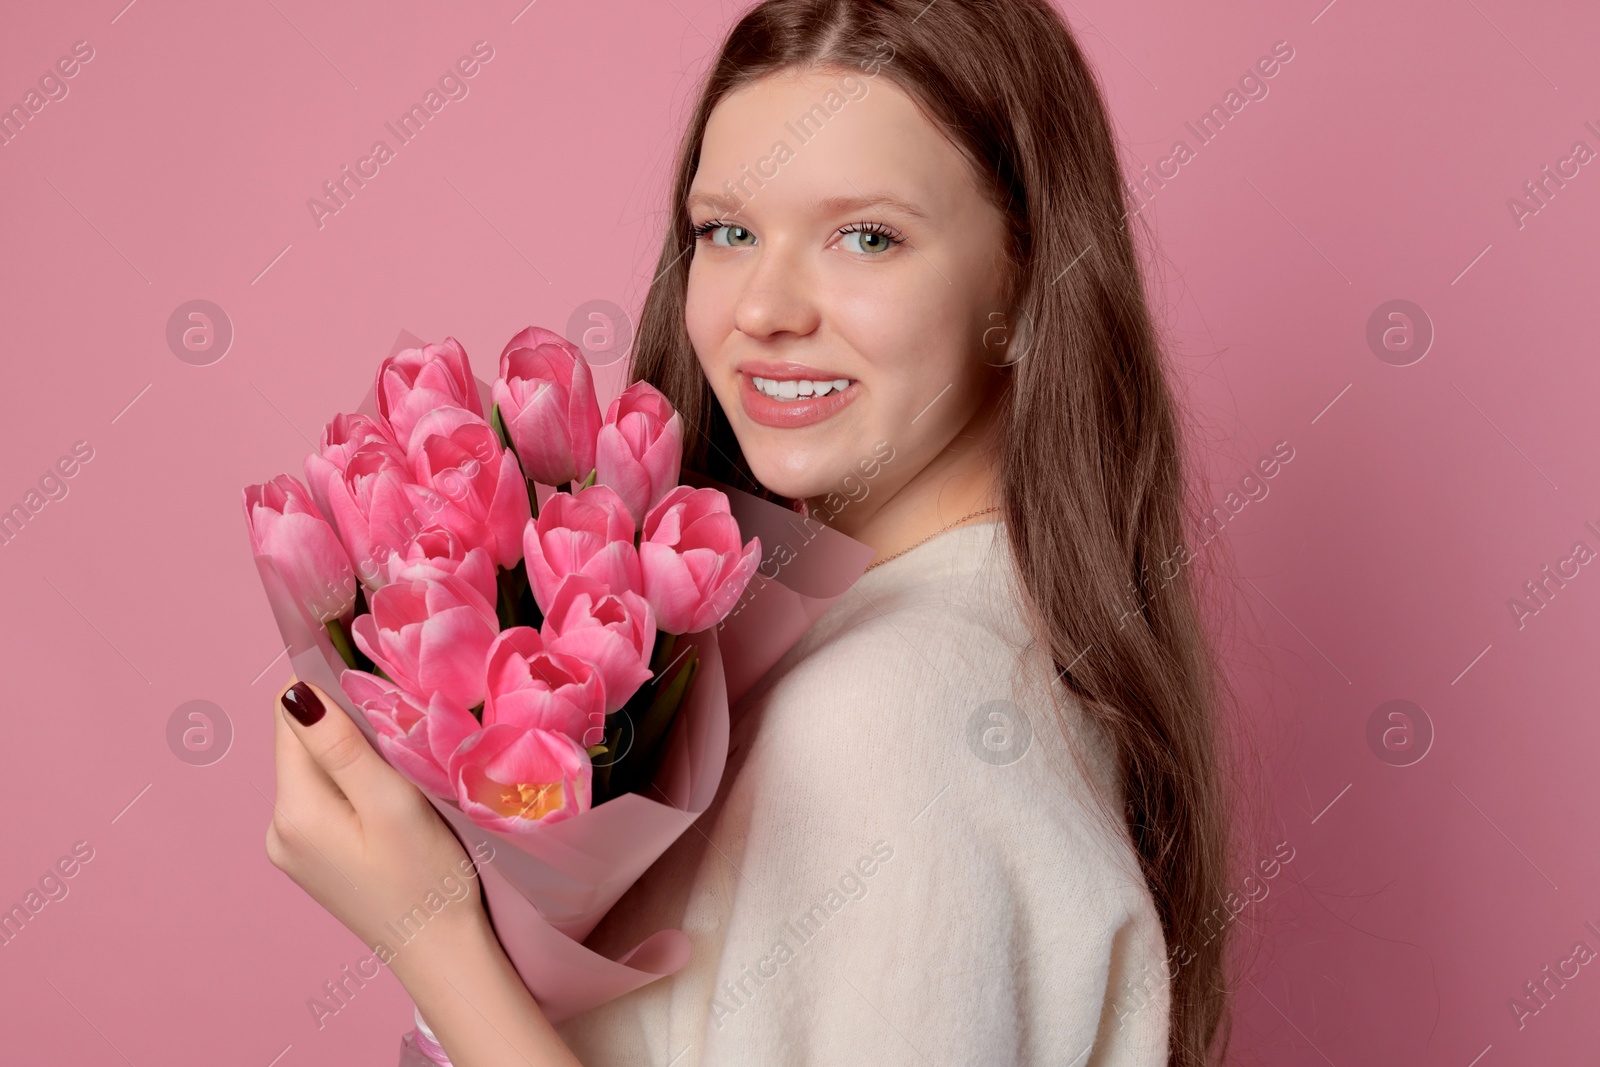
924 878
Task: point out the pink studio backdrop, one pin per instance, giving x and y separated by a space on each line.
1377 564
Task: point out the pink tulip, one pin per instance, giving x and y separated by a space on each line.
694 570
414 382
516 778
430 636
287 527
545 394
340 439
465 481
418 739
346 431
528 685
588 532
616 632
368 505
639 448
435 551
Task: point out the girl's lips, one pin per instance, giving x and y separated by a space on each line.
791 414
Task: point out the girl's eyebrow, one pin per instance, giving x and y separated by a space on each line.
713 200
831 205
854 203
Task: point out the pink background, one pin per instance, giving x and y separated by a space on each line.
1379 567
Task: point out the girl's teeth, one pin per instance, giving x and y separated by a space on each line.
792 390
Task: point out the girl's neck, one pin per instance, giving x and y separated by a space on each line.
963 478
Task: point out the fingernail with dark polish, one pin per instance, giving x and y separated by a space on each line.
301 701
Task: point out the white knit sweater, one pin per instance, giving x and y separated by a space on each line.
904 864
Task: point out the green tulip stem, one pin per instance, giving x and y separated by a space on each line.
665 645
341 641
510 583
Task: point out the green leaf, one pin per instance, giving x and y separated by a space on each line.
499 426
644 758
504 435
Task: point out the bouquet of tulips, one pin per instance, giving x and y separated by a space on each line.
491 638
519 604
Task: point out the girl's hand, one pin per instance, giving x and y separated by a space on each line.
371 849
363 841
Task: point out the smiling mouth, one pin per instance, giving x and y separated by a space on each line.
796 389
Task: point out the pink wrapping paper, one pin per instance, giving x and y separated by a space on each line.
545 891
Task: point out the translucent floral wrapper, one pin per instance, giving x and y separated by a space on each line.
545 891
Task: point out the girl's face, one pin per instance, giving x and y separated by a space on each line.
844 251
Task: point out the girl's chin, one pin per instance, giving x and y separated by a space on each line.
796 480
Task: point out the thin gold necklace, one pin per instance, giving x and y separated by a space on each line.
936 533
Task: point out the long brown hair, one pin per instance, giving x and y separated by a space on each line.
1090 474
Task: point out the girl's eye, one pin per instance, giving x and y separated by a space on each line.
874 238
737 237
864 238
